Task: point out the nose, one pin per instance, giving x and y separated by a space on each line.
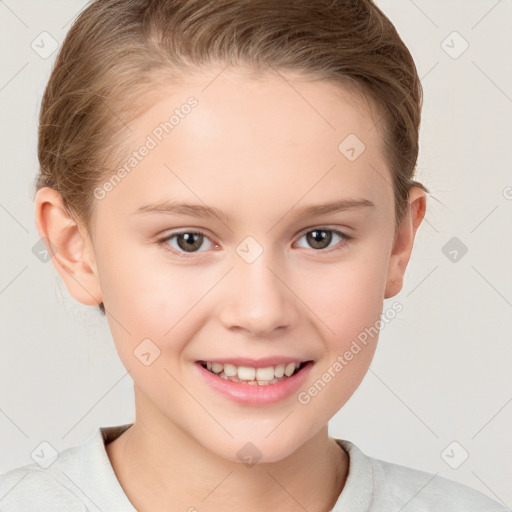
258 300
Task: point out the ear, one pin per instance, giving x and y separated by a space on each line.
404 240
69 247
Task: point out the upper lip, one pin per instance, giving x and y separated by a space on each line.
255 363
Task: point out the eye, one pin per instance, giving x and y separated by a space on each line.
190 241
320 238
187 242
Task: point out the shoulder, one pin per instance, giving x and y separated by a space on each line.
396 486
78 479
428 491
29 488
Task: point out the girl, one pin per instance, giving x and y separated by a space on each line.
231 183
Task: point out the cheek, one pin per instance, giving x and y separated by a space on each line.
148 301
347 303
347 297
350 311
142 293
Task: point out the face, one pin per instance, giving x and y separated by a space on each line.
261 282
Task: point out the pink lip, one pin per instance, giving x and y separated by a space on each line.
256 363
255 395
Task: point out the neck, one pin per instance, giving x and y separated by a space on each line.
159 466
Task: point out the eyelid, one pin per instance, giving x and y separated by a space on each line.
197 231
346 238
180 231
335 229
343 231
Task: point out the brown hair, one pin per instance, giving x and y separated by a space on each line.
117 49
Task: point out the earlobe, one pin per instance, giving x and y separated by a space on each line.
69 247
404 241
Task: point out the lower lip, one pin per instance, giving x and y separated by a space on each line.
250 394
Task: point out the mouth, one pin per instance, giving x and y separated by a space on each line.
262 376
255 382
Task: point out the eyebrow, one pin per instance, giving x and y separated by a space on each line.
198 210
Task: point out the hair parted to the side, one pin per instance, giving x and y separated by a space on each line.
117 50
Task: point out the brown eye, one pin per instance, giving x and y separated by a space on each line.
186 242
321 238
189 241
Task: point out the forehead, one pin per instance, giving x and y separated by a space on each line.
292 105
272 134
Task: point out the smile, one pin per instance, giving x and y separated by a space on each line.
262 382
250 375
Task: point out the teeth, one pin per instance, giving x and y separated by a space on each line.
246 373
290 368
266 373
279 370
261 376
230 370
217 367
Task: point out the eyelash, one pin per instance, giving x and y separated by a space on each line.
166 247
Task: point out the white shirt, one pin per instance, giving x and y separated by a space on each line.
82 479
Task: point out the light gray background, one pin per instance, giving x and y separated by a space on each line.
442 369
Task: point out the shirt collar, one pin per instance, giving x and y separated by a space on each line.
92 476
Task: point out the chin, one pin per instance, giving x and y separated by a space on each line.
255 447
